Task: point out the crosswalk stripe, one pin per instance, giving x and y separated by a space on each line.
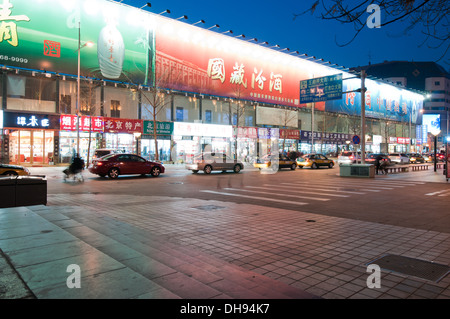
339 185
284 195
305 191
330 189
255 197
438 193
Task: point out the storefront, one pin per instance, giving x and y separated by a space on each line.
399 144
29 138
193 138
247 138
324 143
122 134
268 139
89 136
164 132
289 140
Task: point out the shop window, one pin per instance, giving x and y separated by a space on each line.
437 83
179 115
65 104
235 119
115 108
208 116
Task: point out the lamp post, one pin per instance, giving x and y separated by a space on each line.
89 44
435 134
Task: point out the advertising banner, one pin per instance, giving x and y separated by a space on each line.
382 101
432 123
193 59
44 35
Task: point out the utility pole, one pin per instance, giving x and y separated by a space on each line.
363 117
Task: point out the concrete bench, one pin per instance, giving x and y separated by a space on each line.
398 169
420 167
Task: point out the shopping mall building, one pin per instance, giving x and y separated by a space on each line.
206 90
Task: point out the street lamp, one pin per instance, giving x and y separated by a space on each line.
88 44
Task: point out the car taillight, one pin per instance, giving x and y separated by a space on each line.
352 157
99 163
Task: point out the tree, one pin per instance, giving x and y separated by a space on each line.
432 16
88 105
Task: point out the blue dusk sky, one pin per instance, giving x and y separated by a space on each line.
273 21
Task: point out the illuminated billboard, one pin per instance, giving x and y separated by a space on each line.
383 101
193 59
44 34
432 123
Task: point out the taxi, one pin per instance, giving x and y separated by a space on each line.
271 161
13 170
314 161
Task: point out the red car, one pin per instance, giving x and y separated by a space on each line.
114 165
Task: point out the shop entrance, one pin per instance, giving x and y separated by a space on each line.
31 147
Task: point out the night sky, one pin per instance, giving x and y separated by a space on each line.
273 21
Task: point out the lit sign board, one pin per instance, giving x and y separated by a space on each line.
86 123
433 123
198 129
30 120
43 35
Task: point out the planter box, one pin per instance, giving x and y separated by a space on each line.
357 170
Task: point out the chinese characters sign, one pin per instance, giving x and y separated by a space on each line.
162 128
44 35
8 26
86 123
321 89
115 125
30 120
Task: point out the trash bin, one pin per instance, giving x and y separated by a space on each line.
7 192
357 170
31 190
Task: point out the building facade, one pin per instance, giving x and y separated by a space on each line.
166 90
428 77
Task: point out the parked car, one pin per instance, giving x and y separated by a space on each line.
416 158
399 158
103 152
114 165
372 158
271 161
13 170
212 161
314 161
349 157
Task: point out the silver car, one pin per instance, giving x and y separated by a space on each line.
399 158
208 162
348 157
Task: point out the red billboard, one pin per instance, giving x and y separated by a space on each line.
192 59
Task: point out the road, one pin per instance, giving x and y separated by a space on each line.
405 199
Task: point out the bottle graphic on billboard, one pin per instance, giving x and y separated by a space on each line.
110 51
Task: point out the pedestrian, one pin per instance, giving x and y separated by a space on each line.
378 161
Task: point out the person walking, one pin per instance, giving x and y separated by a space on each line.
378 161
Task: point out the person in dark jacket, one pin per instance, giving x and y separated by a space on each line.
378 161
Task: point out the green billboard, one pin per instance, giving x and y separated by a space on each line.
45 35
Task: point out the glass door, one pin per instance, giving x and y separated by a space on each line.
38 147
25 147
